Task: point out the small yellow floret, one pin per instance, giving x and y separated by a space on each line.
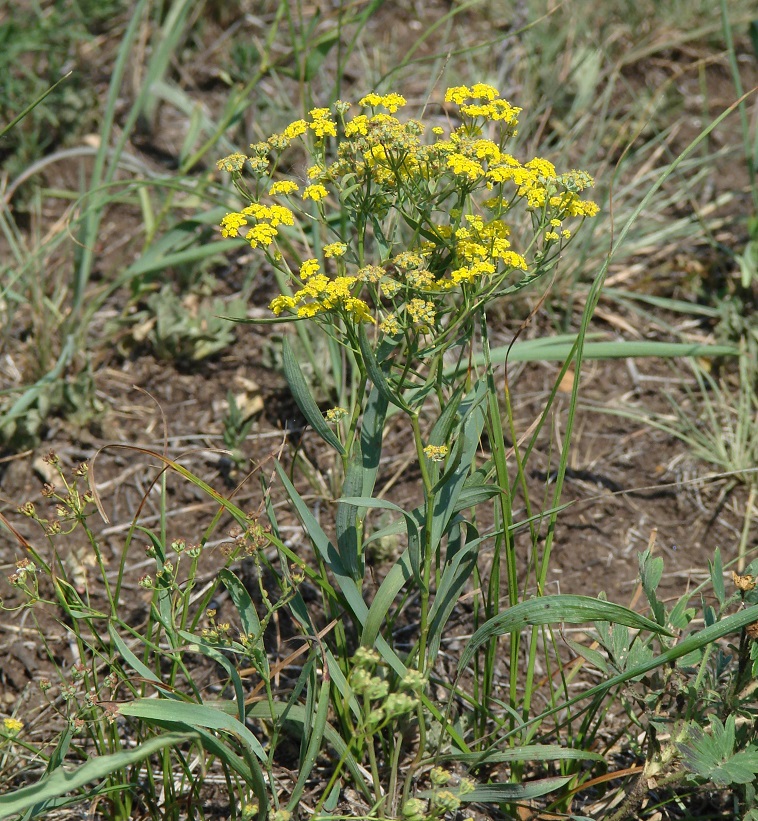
335 249
233 162
295 129
231 224
309 268
315 192
282 187
12 726
281 303
436 452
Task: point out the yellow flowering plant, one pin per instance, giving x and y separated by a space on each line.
393 241
425 232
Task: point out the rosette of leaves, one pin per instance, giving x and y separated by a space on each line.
190 328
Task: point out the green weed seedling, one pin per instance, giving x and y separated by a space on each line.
697 711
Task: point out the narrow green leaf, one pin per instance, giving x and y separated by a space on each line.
296 714
557 348
717 576
346 520
391 585
244 604
55 761
445 423
375 373
305 401
412 528
131 659
446 498
455 574
17 119
350 590
194 645
314 743
500 793
193 715
372 437
63 781
554 610
348 587
528 752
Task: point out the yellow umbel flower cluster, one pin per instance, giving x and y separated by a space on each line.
322 295
454 193
267 219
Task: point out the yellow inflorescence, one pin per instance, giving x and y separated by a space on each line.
12 726
377 163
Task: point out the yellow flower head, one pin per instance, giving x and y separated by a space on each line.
390 325
281 303
335 414
464 167
370 273
231 224
322 125
315 192
282 187
421 312
390 101
295 129
358 125
309 268
12 726
335 249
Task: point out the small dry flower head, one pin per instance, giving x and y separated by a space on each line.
335 414
399 704
744 583
249 810
231 163
436 452
370 686
414 680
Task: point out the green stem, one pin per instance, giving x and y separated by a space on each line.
742 549
426 547
505 508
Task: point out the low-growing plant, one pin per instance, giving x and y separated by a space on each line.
697 714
